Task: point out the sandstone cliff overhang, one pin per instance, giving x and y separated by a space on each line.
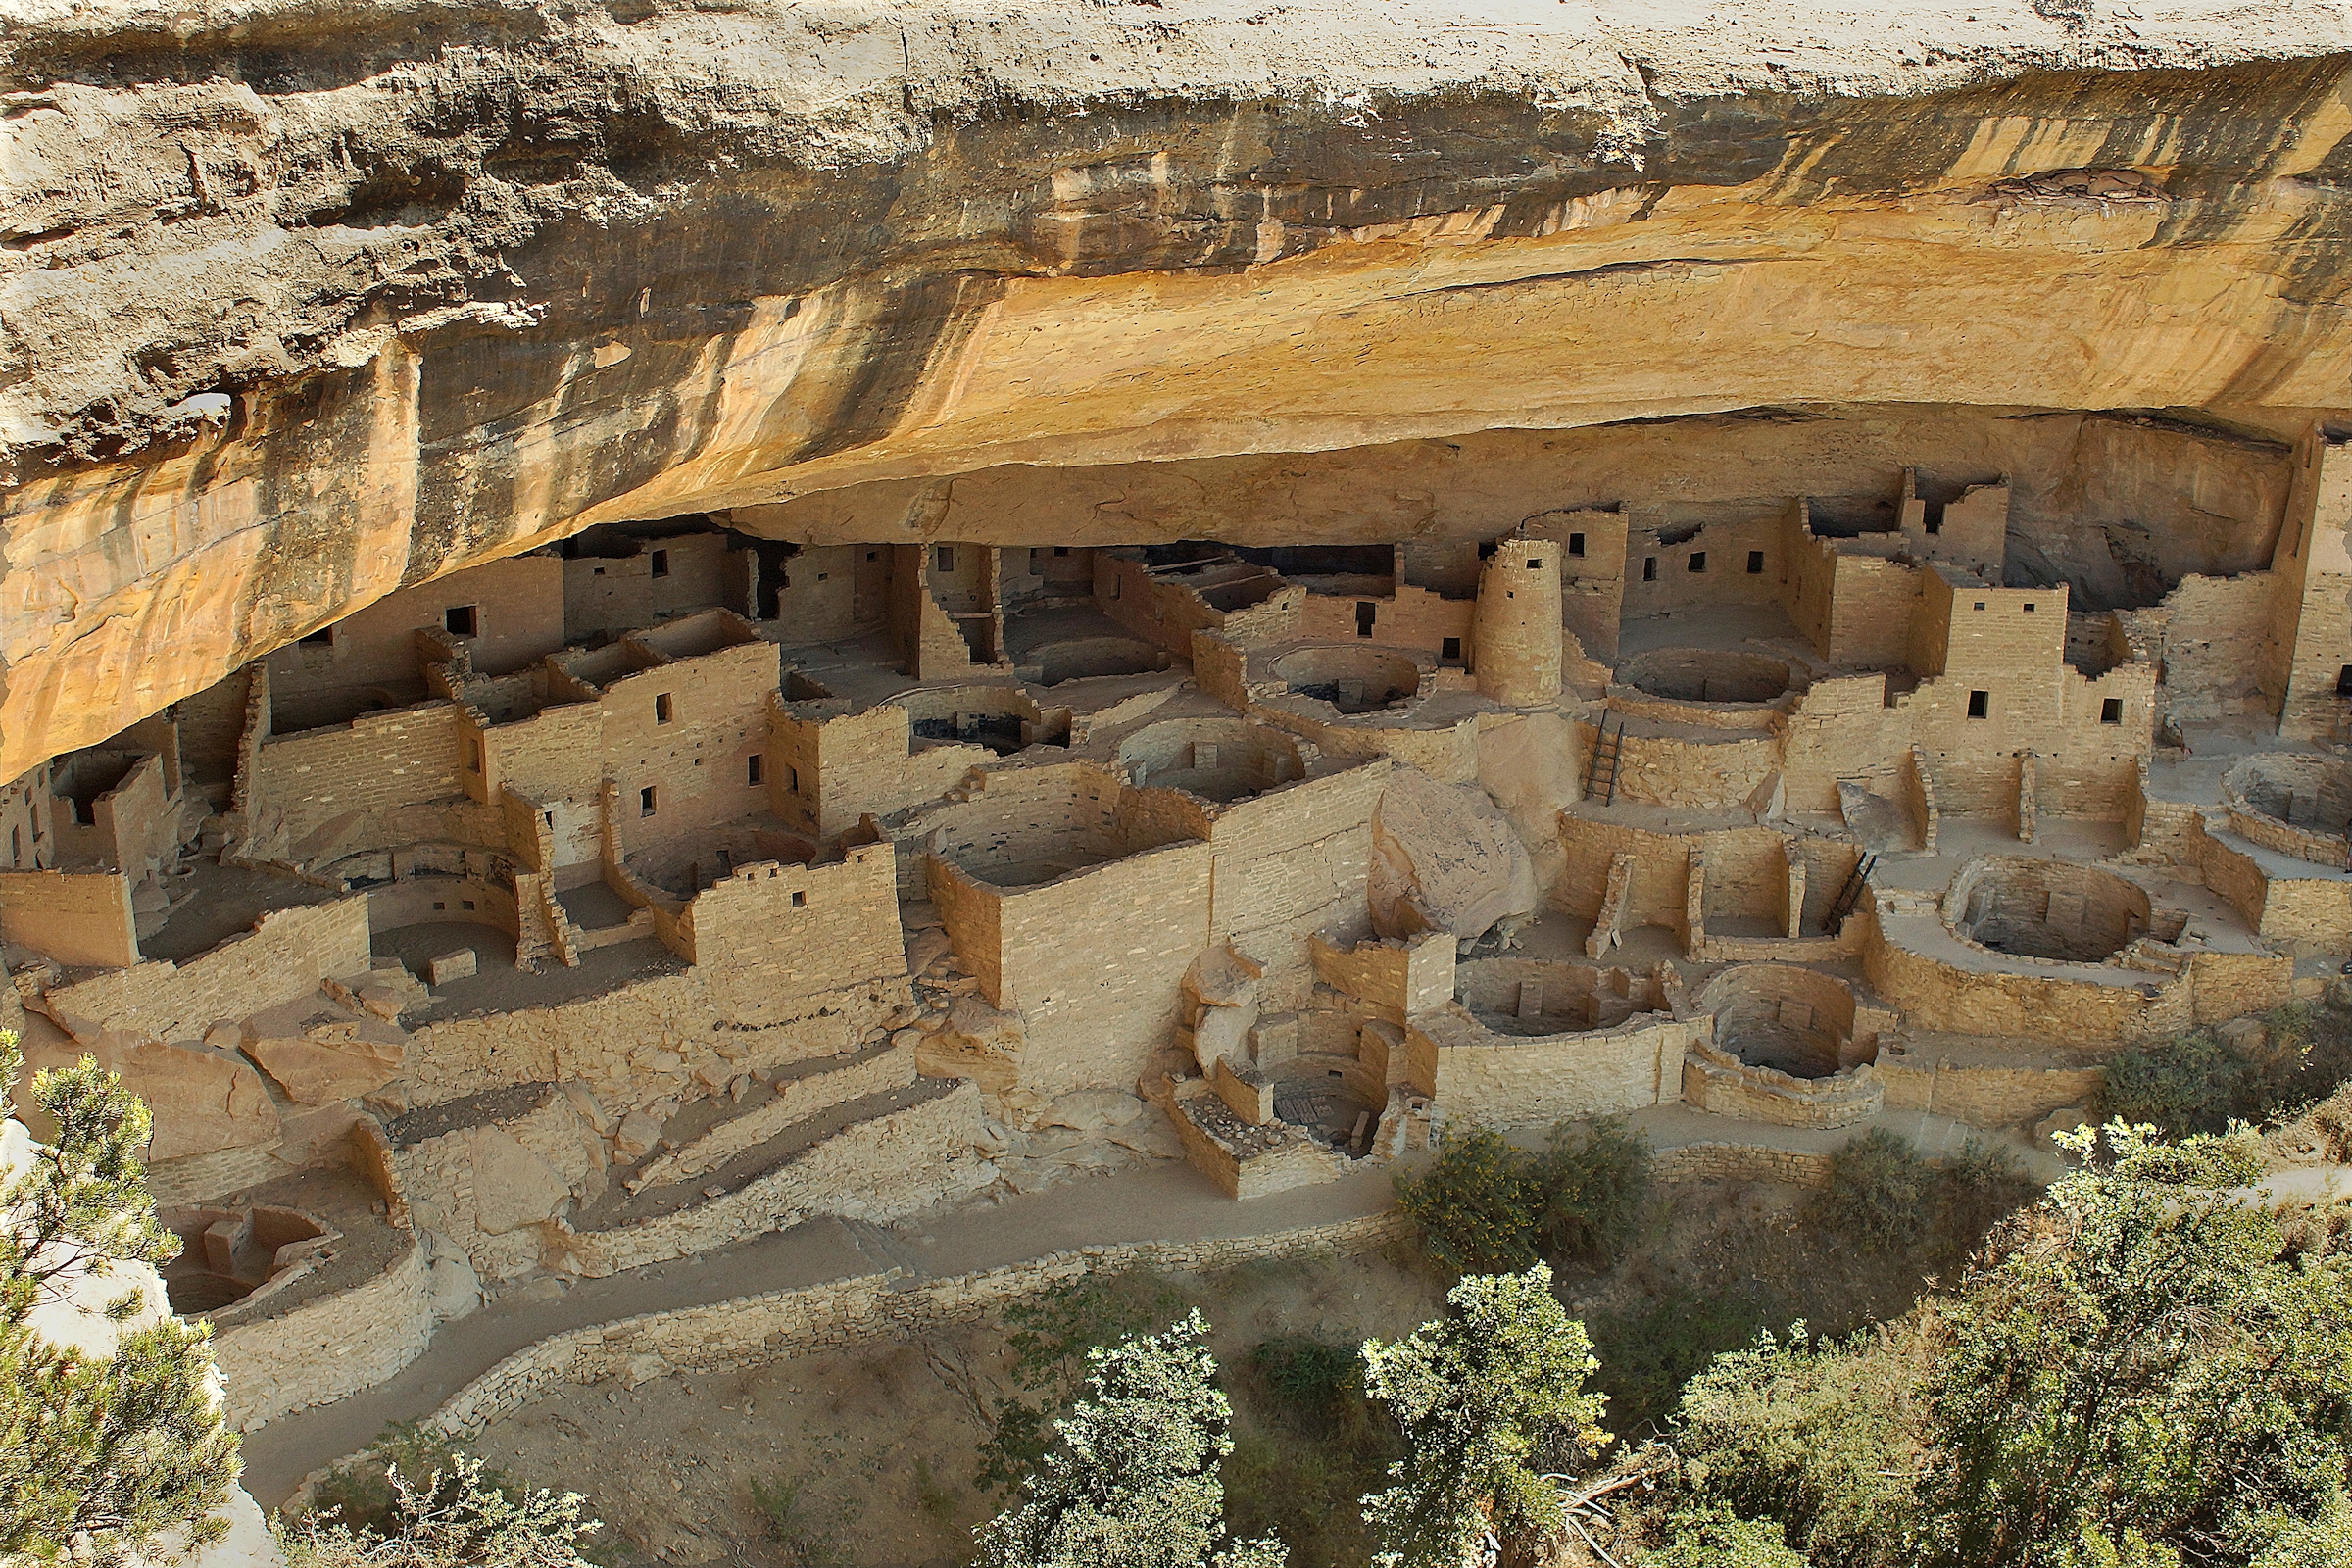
301 302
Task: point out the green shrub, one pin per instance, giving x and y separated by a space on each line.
2198 1083
1975 1191
1877 1194
1308 1376
1711 1537
1478 1205
1050 1338
1648 1352
805 1536
1596 1181
1486 1206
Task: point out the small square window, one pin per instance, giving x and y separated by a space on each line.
463 621
1755 563
1535 563
661 708
751 772
2029 607
467 904
1062 550
823 576
1649 568
439 907
1576 543
1979 603
942 557
2111 710
600 571
799 901
645 800
1698 561
661 563
324 637
1979 703
1450 648
873 555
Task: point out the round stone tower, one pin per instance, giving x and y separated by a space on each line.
1516 637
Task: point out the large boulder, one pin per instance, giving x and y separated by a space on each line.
512 1186
203 1100
1444 858
330 1061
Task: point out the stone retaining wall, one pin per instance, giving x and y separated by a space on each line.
1742 1162
325 1348
784 1323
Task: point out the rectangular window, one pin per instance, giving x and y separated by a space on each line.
2343 681
751 772
1062 550
2111 710
1365 613
1649 568
1576 543
661 563
1979 703
799 901
645 800
942 557
1535 563
1755 563
1979 603
466 902
873 555
463 621
1450 648
324 637
1698 561
792 779
661 708
600 571
2029 607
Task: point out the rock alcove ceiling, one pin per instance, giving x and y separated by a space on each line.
300 303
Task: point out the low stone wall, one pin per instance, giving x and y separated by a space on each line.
1742 1162
325 1348
1992 1097
1721 1083
1476 1075
874 1170
854 1311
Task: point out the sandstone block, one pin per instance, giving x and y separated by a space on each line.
444 968
512 1186
637 1135
203 1100
315 1071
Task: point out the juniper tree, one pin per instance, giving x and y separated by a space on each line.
1132 1480
99 1454
1478 1396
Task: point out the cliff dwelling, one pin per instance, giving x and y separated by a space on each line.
946 658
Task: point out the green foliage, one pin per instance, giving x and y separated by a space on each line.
1818 1437
361 1495
1879 1191
1975 1191
1714 1538
1486 1207
2198 1083
1132 1480
1479 1204
1309 1376
2143 1360
1648 1352
938 1499
455 1519
1478 1396
1050 1340
1596 1181
103 1451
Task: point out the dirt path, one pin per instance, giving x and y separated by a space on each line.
1166 1202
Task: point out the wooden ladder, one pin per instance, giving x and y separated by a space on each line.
1606 745
1849 893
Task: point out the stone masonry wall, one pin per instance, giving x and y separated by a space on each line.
328 1347
287 953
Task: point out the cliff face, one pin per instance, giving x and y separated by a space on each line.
302 301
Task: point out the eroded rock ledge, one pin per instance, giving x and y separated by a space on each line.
305 303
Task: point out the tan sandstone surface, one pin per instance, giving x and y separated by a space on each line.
300 305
